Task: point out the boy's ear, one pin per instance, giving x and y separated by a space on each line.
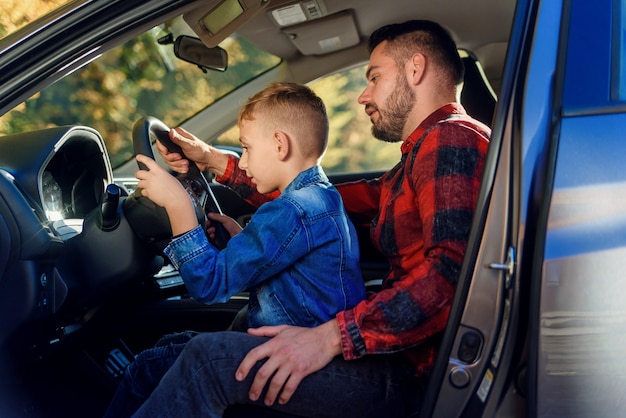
282 144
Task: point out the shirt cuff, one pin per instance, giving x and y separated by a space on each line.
352 344
228 171
186 246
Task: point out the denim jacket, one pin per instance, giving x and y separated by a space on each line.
298 256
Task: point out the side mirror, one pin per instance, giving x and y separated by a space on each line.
194 51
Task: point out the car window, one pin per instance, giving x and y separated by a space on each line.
595 85
139 78
351 147
619 51
143 77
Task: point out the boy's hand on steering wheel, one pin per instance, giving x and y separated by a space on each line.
194 150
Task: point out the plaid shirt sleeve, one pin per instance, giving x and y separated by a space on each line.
361 199
428 222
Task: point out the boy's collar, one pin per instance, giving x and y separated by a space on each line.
311 175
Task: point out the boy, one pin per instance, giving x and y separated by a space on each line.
299 254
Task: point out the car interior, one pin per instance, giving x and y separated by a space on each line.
83 291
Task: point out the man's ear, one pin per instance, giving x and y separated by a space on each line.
282 144
416 68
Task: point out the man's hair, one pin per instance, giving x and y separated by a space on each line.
292 107
426 37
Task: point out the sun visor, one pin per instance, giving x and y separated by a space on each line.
216 20
322 36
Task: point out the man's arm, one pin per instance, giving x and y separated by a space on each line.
361 199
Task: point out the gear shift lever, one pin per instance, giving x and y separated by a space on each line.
110 218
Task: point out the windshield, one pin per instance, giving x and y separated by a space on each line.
139 78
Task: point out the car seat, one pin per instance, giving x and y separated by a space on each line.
477 96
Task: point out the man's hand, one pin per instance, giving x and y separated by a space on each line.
292 354
202 154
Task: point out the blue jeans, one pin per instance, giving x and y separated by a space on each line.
201 383
144 374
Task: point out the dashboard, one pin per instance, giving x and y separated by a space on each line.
55 253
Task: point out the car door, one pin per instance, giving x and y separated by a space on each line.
538 324
578 316
482 357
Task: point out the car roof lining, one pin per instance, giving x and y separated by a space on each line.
261 30
485 34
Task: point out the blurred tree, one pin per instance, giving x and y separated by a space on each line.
18 13
351 147
143 77
133 80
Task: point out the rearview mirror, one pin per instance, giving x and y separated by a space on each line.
194 51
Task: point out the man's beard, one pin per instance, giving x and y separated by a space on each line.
391 121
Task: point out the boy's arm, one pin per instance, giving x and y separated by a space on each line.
193 150
163 189
223 165
264 248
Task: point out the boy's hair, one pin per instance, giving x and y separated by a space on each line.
293 107
426 37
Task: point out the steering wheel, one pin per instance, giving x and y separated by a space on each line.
194 182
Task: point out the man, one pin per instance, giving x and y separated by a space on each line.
370 360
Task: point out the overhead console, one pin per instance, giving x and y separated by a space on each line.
309 25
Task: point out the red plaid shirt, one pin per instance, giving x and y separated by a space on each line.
420 212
